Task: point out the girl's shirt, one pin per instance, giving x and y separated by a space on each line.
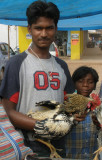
82 140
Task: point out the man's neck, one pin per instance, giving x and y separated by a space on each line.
42 53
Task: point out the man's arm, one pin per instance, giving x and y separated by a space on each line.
18 119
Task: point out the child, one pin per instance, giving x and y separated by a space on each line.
82 139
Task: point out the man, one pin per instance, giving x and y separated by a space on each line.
35 75
64 44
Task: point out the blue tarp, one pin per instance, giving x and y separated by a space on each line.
74 14
13 22
85 23
10 9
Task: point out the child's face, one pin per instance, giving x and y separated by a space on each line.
85 85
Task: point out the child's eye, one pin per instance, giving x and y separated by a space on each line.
80 81
90 82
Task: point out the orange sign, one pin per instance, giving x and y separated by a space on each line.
75 41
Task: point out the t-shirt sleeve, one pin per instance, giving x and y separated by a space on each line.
69 87
10 84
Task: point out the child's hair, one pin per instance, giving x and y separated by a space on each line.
82 71
39 9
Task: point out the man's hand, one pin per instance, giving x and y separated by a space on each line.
40 129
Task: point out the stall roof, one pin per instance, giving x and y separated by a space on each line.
73 14
85 23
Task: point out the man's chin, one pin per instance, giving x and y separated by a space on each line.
44 46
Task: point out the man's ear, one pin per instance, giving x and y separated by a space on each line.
55 31
29 29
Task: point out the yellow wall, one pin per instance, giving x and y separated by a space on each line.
81 42
75 45
23 41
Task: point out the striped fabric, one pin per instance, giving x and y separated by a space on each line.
11 143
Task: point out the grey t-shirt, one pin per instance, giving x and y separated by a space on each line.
26 81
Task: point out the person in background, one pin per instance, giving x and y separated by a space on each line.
82 139
64 44
35 76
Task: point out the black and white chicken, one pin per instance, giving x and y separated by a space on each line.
57 120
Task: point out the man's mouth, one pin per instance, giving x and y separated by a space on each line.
44 39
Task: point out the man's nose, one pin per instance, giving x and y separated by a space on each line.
44 33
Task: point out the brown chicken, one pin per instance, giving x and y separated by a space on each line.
75 103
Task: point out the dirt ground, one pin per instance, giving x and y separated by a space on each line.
92 57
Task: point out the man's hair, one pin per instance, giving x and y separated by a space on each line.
82 71
39 9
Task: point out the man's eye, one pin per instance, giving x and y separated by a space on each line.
38 28
51 27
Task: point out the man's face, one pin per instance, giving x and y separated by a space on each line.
43 32
85 85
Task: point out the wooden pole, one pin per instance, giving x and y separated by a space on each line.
8 42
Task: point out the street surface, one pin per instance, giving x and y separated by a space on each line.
92 57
